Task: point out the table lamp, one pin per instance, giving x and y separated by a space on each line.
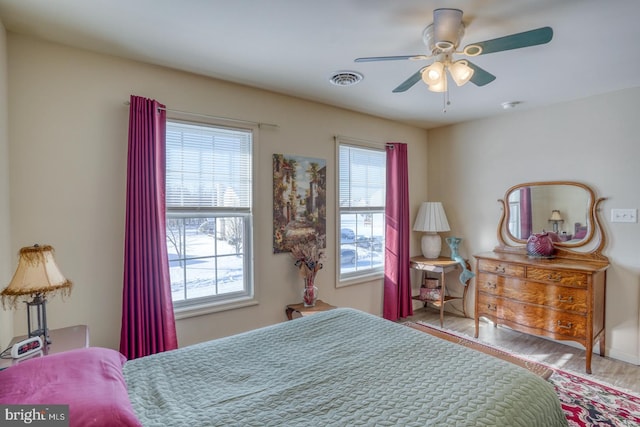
555 219
431 219
36 276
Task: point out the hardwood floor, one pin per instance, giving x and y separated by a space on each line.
565 357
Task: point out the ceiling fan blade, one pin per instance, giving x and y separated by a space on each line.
391 58
408 84
480 77
514 41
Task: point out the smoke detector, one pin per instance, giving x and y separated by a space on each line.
510 104
345 78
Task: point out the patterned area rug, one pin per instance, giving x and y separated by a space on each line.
589 403
586 403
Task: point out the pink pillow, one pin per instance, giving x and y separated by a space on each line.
581 233
89 380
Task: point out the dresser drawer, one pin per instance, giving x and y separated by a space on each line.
560 297
499 267
561 277
533 317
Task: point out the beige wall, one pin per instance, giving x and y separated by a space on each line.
593 141
68 138
6 254
67 157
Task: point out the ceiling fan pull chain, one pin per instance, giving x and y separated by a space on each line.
444 101
445 97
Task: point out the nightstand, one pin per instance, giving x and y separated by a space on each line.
63 339
441 266
301 310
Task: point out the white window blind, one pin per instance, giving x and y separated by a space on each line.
362 177
208 167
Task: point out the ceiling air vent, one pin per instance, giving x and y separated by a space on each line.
345 78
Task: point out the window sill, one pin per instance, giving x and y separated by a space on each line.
360 279
200 310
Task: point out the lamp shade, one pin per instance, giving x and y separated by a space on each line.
431 218
461 72
435 78
441 86
37 273
555 216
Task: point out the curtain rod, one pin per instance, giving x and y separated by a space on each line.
208 116
363 141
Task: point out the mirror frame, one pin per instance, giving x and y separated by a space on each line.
590 247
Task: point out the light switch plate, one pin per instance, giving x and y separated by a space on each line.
624 215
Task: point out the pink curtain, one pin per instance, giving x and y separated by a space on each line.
148 324
397 282
526 221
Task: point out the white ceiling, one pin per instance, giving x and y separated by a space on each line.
294 46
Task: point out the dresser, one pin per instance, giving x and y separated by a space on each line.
559 296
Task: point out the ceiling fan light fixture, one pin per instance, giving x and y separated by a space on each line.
440 86
461 72
435 78
433 74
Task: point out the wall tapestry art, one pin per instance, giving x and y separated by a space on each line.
299 200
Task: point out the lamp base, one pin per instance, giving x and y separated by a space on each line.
431 245
39 303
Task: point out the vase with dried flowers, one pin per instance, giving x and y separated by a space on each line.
308 256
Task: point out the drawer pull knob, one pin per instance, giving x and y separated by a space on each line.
568 325
500 269
554 277
563 299
491 285
492 307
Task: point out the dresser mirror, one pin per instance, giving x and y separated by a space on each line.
567 210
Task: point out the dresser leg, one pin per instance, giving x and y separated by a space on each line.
589 354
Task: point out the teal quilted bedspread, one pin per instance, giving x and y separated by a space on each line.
336 368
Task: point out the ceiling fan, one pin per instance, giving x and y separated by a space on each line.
443 37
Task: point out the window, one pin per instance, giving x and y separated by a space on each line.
514 214
209 217
362 182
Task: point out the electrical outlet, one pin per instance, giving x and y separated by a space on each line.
624 215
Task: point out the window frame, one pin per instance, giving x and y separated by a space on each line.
209 304
353 278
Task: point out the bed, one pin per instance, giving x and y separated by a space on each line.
336 368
